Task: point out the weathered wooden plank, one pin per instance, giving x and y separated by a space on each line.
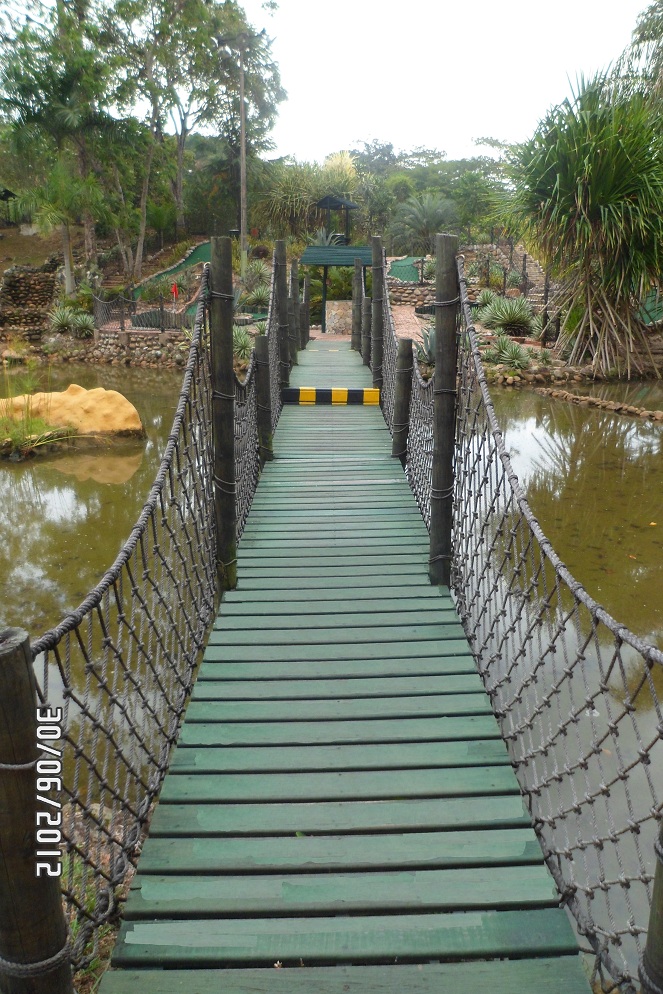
387 620
377 784
408 633
259 604
371 579
224 759
336 709
478 934
336 817
337 669
543 976
213 686
207 730
336 650
178 896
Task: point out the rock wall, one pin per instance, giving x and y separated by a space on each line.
26 297
339 317
129 348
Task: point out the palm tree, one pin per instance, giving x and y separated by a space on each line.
419 219
588 198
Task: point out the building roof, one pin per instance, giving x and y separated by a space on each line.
336 255
332 203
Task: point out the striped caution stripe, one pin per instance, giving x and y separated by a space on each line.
333 395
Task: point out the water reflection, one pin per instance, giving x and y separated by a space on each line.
594 480
64 516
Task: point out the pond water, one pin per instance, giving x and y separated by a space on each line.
594 480
64 516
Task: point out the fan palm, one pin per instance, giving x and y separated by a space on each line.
419 219
588 196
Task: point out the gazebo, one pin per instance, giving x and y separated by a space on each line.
332 203
335 255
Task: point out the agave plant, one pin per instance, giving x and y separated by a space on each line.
486 297
426 348
429 269
242 343
514 279
507 352
588 197
258 274
508 315
261 327
258 299
61 318
83 325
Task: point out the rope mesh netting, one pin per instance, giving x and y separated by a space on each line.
578 696
123 664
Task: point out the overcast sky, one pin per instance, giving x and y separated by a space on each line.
445 73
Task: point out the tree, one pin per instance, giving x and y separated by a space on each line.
418 220
588 196
474 197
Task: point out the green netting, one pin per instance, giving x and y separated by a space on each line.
652 308
405 269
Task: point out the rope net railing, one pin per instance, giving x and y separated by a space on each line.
578 696
121 667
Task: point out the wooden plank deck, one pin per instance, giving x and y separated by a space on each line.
340 814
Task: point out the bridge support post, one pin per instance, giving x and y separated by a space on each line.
223 411
293 334
294 293
402 396
281 291
651 964
366 314
357 283
305 314
377 319
444 408
263 400
32 923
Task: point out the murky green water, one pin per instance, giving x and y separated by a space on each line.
594 479
64 516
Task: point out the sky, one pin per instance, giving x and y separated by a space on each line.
431 73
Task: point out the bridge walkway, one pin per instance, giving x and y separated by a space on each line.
340 814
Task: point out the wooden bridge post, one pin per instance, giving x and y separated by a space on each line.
281 290
402 394
32 923
377 318
305 313
293 338
223 410
366 313
357 283
651 965
296 303
444 408
263 400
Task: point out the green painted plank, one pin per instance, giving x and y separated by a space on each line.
336 817
198 759
213 686
336 650
478 934
370 585
310 854
181 896
543 976
377 784
290 544
239 606
412 633
377 567
349 669
202 728
229 622
335 709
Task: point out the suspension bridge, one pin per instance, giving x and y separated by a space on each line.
380 782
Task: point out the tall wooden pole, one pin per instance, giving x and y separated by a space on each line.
223 411
651 964
293 340
444 408
32 923
243 224
281 290
263 400
305 314
377 319
366 309
294 293
402 394
357 283
323 320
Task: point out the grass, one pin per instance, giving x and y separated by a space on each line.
31 250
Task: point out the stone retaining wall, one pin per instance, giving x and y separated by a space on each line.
117 348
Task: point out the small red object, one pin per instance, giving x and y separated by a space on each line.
175 292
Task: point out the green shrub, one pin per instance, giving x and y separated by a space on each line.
508 353
258 298
514 279
261 327
509 315
83 325
486 297
242 343
429 269
258 274
61 318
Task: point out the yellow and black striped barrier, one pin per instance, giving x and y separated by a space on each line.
330 395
